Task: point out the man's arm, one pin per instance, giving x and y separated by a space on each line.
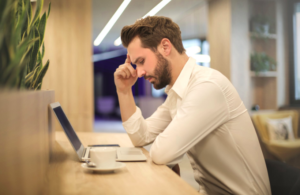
127 105
141 131
125 76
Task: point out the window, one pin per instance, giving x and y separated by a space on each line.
294 42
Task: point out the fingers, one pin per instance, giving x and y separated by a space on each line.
120 73
126 71
129 66
128 59
131 69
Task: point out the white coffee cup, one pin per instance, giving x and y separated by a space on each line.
103 157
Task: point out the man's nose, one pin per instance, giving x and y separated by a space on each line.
140 72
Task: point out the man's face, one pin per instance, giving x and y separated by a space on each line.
151 65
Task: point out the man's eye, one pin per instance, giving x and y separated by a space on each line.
142 61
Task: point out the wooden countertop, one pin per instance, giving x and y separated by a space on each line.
66 176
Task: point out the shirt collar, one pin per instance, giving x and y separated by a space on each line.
183 79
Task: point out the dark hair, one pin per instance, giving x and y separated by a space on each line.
151 30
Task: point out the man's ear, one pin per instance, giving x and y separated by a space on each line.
165 46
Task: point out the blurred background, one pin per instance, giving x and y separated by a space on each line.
252 42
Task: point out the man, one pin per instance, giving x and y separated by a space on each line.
202 116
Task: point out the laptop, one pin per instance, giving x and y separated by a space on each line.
123 154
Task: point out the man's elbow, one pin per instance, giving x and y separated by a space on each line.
138 144
158 158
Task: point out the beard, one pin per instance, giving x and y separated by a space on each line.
162 72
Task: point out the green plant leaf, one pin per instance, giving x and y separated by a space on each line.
22 50
23 75
35 75
39 6
41 74
9 73
49 8
13 79
28 56
39 58
4 61
41 63
7 20
25 23
29 75
3 5
21 36
19 9
29 78
9 37
29 11
28 81
43 50
42 28
35 50
18 33
39 86
37 23
6 26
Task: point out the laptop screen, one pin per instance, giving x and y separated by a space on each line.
65 123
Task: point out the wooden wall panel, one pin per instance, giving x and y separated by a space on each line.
240 59
264 92
26 139
68 43
219 37
229 43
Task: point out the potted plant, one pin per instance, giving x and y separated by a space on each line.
261 62
26 123
21 44
262 25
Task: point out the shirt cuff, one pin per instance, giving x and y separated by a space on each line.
130 124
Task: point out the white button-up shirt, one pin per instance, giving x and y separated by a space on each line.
204 117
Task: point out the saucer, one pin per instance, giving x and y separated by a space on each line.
118 165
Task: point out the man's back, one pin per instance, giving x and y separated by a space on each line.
229 159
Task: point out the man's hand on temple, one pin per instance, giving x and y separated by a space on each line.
125 76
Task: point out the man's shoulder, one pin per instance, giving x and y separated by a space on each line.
204 74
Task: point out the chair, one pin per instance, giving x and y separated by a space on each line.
283 150
284 179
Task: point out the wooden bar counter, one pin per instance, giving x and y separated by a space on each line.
66 176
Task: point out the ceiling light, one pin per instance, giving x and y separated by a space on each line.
118 41
152 12
157 8
111 22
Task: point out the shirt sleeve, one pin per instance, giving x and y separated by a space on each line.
203 109
143 132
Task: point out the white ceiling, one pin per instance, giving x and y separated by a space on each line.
190 15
